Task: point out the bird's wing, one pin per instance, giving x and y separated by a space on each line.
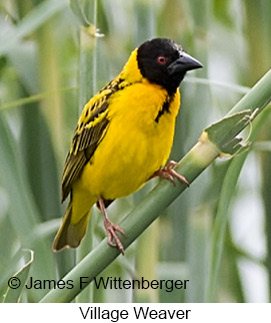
90 130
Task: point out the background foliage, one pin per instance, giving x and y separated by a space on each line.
49 66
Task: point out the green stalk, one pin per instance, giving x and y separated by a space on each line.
146 264
86 11
266 189
47 125
191 166
258 30
49 73
257 98
198 252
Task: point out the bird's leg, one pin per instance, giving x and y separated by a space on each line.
111 228
169 173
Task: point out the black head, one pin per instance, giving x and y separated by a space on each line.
163 62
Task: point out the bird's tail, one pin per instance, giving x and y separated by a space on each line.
70 234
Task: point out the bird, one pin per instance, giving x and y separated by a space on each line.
123 138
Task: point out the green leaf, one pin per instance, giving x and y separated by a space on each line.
227 192
23 212
13 295
77 6
222 133
36 18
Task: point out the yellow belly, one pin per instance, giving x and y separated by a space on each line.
134 146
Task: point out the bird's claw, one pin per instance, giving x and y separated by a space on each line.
112 237
169 173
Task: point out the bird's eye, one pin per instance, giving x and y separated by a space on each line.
161 60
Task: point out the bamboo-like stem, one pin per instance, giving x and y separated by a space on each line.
52 106
259 60
257 98
146 264
191 166
87 88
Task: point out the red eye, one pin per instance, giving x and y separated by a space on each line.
161 60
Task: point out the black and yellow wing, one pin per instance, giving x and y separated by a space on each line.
89 132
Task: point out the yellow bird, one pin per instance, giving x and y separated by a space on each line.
123 137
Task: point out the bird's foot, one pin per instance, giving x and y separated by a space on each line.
170 174
111 229
112 237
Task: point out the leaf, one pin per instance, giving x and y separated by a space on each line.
22 209
78 9
24 59
13 295
227 193
36 18
223 133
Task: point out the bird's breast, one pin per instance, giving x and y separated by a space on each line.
136 144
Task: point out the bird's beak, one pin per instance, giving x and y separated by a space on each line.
183 64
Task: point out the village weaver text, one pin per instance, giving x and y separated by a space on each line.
137 312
